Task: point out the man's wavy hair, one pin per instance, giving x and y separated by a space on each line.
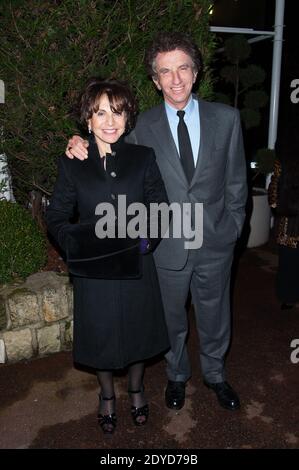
119 95
167 42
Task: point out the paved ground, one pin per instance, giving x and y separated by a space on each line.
46 403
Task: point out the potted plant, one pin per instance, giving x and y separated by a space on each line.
261 214
242 83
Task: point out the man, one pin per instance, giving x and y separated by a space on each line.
201 158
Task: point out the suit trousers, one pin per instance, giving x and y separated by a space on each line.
207 275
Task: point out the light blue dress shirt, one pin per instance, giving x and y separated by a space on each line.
192 120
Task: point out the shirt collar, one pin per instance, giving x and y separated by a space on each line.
172 112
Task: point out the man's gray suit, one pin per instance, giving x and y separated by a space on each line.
219 182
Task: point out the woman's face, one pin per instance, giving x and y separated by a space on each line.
107 125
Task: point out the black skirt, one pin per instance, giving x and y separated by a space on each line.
118 322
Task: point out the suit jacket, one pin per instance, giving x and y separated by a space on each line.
81 186
219 181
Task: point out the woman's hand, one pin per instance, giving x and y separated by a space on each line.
77 147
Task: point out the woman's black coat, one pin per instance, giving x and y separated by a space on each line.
116 321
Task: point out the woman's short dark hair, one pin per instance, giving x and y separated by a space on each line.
167 42
119 95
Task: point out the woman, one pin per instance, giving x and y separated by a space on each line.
284 197
118 320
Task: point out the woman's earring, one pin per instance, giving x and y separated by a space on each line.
89 129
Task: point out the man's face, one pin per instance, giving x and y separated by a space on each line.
175 77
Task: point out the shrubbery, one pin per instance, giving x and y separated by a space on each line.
22 244
47 51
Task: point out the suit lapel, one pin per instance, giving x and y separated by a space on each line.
208 131
161 130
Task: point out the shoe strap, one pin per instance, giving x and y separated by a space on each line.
140 411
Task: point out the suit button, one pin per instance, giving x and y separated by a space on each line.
113 196
113 174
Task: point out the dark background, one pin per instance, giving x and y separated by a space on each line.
260 15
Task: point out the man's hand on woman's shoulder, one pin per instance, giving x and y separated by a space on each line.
77 147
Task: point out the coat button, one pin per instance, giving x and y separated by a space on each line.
113 196
113 174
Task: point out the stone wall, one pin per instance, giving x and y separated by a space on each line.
36 317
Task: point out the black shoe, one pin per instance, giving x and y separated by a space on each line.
285 306
107 422
227 397
175 395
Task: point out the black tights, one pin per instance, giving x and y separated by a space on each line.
135 383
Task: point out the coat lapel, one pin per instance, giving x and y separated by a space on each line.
94 159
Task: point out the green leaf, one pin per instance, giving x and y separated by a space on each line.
250 117
252 75
237 49
255 99
229 73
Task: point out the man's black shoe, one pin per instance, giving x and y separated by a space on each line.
227 397
175 395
